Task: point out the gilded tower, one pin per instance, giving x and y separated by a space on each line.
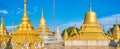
43 29
116 32
25 37
90 29
4 38
74 34
65 36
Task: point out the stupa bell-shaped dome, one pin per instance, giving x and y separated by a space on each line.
90 17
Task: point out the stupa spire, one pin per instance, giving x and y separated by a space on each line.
25 22
116 25
42 13
42 20
25 10
25 18
42 28
90 7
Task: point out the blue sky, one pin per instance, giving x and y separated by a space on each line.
67 12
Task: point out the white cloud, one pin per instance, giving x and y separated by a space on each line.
29 12
19 11
34 10
10 27
107 21
4 11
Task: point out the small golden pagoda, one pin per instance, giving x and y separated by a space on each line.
90 29
43 27
74 34
116 32
25 37
65 36
4 37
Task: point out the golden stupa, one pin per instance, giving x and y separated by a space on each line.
25 36
43 29
90 29
4 37
116 32
65 36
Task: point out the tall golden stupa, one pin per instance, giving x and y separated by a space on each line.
90 29
116 32
25 36
4 38
42 28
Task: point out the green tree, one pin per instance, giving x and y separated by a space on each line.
69 29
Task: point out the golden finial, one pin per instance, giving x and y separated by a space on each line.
42 13
90 7
25 6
